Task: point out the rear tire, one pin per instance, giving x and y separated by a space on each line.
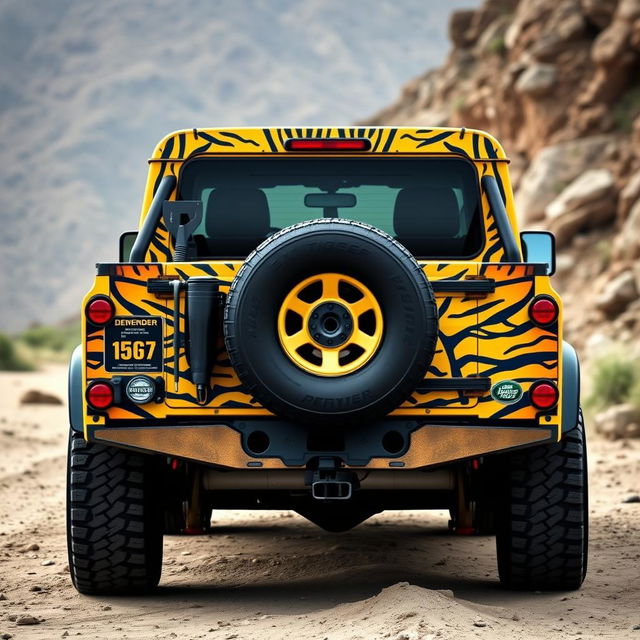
542 529
114 520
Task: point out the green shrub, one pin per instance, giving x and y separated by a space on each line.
559 186
626 109
43 337
613 378
10 359
497 45
603 249
634 393
54 338
459 103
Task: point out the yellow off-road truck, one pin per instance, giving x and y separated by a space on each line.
335 321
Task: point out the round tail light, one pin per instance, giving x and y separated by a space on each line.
100 395
100 310
543 395
543 311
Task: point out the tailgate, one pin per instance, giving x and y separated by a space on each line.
485 338
456 357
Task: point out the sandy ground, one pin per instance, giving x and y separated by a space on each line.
274 575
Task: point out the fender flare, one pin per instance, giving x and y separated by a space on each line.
570 387
76 397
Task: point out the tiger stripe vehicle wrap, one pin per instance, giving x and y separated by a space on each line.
488 353
333 321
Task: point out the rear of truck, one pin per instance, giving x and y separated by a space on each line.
387 345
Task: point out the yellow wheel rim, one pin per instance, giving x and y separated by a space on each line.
330 324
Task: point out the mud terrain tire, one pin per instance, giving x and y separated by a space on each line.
114 522
351 249
542 532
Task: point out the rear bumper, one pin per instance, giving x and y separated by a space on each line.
224 446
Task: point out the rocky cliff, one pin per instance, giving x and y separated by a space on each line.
558 82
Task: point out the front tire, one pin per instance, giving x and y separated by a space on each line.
114 520
542 533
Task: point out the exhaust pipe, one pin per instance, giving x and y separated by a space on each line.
202 298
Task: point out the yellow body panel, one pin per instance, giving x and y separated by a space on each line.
487 335
477 146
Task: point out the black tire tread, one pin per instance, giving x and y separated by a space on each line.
114 536
423 355
542 536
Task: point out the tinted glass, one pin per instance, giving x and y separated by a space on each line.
431 205
539 248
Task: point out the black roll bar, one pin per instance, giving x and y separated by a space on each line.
154 215
511 250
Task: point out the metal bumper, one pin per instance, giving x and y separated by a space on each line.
222 446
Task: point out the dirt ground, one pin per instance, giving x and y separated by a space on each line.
400 575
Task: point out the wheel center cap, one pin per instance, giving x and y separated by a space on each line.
330 324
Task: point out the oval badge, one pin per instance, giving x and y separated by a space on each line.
140 389
506 392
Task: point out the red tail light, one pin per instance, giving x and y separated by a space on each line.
100 310
543 394
543 311
100 395
327 144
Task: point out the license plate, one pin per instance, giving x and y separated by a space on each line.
134 343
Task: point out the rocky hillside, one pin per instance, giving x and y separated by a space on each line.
88 88
558 82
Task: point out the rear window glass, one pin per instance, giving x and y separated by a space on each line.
431 205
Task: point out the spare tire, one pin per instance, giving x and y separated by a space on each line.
330 321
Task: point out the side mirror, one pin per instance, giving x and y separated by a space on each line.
539 247
127 241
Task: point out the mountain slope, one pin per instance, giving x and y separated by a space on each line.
87 89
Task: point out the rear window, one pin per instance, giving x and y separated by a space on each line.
431 205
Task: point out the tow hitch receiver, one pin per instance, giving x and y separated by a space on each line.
329 483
